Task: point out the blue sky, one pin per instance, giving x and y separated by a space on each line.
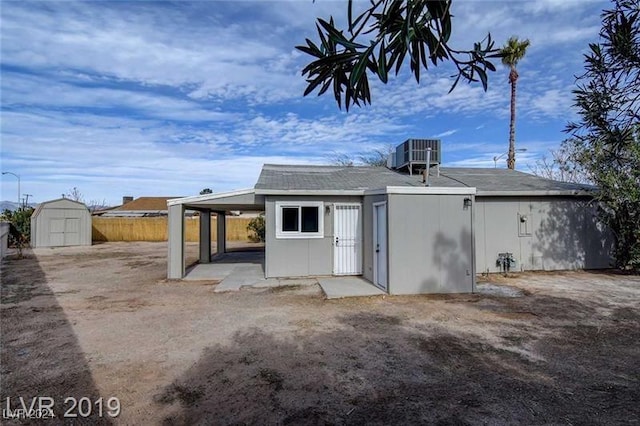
159 98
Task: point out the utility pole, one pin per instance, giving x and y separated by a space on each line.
26 203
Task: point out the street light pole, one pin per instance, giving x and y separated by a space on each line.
497 157
18 177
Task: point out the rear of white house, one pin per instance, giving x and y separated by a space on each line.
403 236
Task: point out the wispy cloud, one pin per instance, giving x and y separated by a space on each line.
167 98
445 133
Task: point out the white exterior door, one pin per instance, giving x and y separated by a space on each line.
347 239
380 245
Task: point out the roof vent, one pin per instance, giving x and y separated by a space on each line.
412 155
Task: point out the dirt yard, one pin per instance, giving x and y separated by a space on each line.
102 322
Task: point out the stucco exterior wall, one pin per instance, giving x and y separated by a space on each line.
543 233
300 257
430 244
61 223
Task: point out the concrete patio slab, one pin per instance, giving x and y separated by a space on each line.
225 264
340 287
209 271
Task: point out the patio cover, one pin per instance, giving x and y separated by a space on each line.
220 203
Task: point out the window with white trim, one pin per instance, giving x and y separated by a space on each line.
299 219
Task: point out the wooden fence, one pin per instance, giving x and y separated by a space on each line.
155 229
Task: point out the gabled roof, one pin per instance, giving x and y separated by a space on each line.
338 178
357 180
145 204
42 205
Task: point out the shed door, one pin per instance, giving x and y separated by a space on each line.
347 239
64 232
56 232
380 273
72 231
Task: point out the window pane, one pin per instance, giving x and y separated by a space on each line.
290 219
309 219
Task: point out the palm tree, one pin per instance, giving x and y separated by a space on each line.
512 53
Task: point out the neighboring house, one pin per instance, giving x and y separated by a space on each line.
140 207
61 222
403 236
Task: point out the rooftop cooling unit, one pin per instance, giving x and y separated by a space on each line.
411 155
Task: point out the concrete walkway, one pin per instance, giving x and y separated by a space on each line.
339 287
231 276
244 274
236 270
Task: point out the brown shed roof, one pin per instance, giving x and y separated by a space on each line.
146 204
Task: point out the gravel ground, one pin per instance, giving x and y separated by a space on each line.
102 321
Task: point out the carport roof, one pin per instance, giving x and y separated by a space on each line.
493 181
244 199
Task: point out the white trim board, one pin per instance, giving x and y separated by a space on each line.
208 197
310 192
426 190
537 193
434 190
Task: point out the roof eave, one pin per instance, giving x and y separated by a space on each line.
433 190
310 191
424 190
537 193
209 197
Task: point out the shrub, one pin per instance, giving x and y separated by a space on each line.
20 220
256 229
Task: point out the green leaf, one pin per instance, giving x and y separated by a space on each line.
436 8
455 83
332 32
446 28
483 77
360 67
323 40
317 81
382 64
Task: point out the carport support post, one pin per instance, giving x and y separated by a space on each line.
205 236
176 237
221 239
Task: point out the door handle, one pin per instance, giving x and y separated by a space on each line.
337 241
378 248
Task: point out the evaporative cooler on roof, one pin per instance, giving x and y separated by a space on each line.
411 155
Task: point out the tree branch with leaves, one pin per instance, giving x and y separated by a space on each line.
379 39
606 137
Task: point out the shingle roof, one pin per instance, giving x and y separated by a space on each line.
146 204
329 178
507 180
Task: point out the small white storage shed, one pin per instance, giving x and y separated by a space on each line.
61 222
